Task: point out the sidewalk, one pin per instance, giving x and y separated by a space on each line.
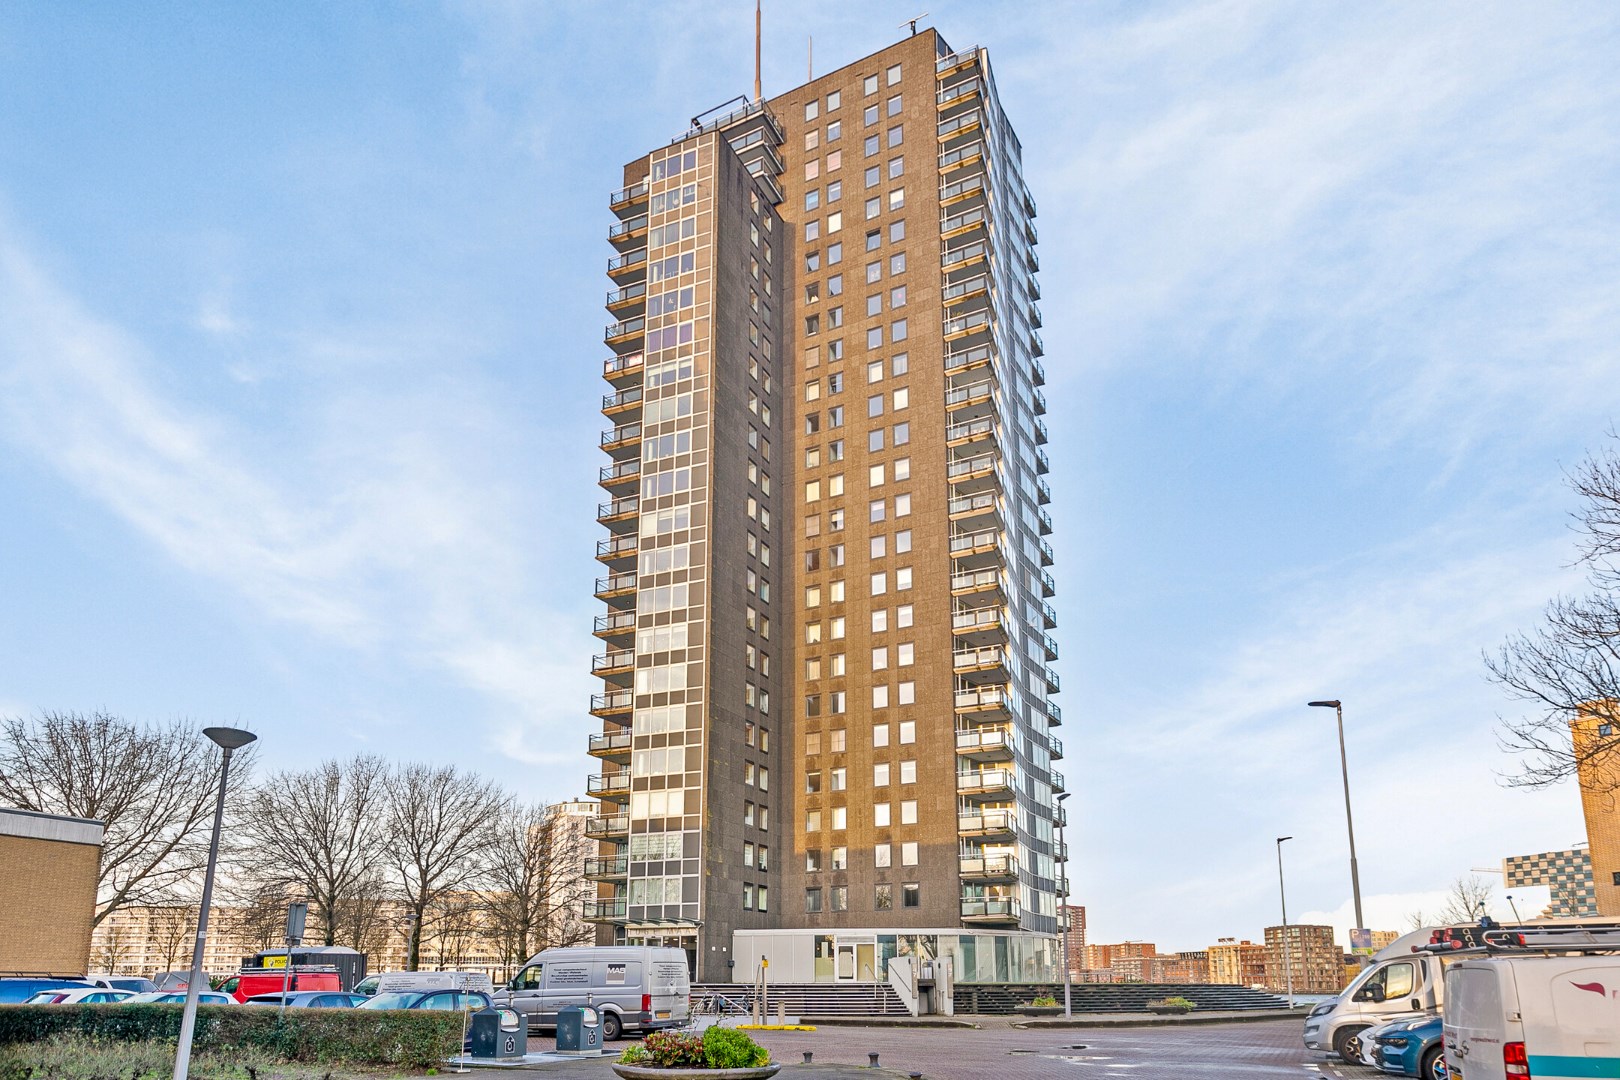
1078 1020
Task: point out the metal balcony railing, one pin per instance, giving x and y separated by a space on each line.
971 429
990 738
604 825
608 784
615 866
624 329
962 395
618 507
622 433
968 358
620 229
613 660
607 743
615 366
626 294
623 470
960 124
965 288
973 541
959 256
990 821
614 702
961 90
622 400
978 579
976 619
991 910
997 866
614 547
615 583
973 151
628 260
985 656
602 910
617 621
629 194
979 697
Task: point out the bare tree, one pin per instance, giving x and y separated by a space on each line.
256 915
1468 901
316 834
1568 669
440 830
173 929
453 923
151 785
535 881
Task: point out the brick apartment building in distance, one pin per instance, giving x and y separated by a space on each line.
1566 875
1308 955
828 728
1237 963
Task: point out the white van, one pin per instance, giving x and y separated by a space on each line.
636 987
394 982
1397 981
1549 1013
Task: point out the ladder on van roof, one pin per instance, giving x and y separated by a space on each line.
1526 939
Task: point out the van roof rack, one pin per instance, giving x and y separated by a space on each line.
1526 939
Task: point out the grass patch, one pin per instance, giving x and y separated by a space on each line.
80 1057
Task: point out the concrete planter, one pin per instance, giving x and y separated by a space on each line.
1041 1010
1169 1010
652 1072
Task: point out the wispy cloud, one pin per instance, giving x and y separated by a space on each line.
380 535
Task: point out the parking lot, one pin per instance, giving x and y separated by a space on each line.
999 1051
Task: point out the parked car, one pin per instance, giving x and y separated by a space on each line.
168 997
1363 1045
87 995
254 982
309 999
133 983
1414 1049
446 1000
18 990
636 987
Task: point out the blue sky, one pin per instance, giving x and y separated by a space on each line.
299 322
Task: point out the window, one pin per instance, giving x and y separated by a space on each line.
874 304
812 781
869 85
908 732
880 620
905 654
835 284
812 743
874 338
812 262
900 364
835 741
812 900
834 160
874 240
874 176
874 271
897 232
812 198
902 469
812 138
877 546
894 74
812 820
835 191
874 511
833 100
763 897
895 134
883 898
897 199
874 474
897 167
902 434
880 774
874 373
869 115
880 735
881 855
908 772
880 583
812 230
835 255
812 169
897 296
838 895
874 405
840 858
880 697
840 819
835 222
908 854
895 105
910 894
897 263
812 862
908 812
902 506
880 815
874 207
837 779
872 145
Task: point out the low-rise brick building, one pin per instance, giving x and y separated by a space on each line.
48 892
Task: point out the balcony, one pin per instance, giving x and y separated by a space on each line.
963 194
1048 616
629 296
1060 852
1046 554
1053 713
629 266
618 509
1036 345
977 621
1037 372
615 624
1048 585
1054 685
962 258
973 221
972 582
1035 319
623 435
613 662
962 157
1043 492
1049 647
1040 403
607 826
626 330
967 359
988 784
615 585
992 658
1042 436
976 322
990 912
617 703
620 473
988 824
961 126
971 398
982 699
984 504
614 548
627 197
983 427
628 398
610 746
989 867
1054 747
969 92
967 294
611 868
621 232
1058 781
956 61
618 368
609 786
612 910
985 744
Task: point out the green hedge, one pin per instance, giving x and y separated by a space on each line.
330 1036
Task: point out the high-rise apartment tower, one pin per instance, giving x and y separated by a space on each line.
828 721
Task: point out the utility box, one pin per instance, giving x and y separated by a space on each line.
579 1030
498 1033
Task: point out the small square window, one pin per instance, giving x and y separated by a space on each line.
873 176
834 131
874 207
895 135
897 263
874 338
874 305
910 894
874 373
895 106
897 167
894 75
883 897
870 114
833 100
880 815
897 232
881 855
874 440
869 85
874 239
874 272
872 145
812 109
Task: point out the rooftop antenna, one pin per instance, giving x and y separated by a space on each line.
1515 908
758 95
914 21
810 59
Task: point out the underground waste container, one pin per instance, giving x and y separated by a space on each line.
498 1033
579 1029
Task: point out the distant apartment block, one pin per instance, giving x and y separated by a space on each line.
1567 876
1306 954
1237 963
1076 916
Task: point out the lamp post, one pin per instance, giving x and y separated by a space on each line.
1068 976
1344 770
1288 964
227 739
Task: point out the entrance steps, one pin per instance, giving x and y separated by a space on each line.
812 999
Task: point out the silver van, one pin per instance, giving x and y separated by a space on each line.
636 987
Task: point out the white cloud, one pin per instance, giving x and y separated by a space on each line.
380 533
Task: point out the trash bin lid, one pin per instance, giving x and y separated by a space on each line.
588 1016
509 1019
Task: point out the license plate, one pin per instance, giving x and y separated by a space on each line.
661 1014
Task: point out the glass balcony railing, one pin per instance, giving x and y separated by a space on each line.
990 910
615 583
613 660
622 433
962 155
620 471
630 194
963 256
621 229
964 622
614 866
618 508
981 697
605 825
622 264
615 622
974 580
983 503
977 356
965 288
619 330
974 541
608 784
624 399
983 657
616 366
983 427
961 124
962 467
985 741
617 742
618 701
638 291
990 821
602 910
616 547
988 866
962 91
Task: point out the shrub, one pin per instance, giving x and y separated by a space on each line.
332 1036
1181 1003
727 1048
1045 1002
675 1049
634 1054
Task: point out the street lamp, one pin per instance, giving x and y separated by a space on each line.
1344 769
1288 965
227 739
1068 977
